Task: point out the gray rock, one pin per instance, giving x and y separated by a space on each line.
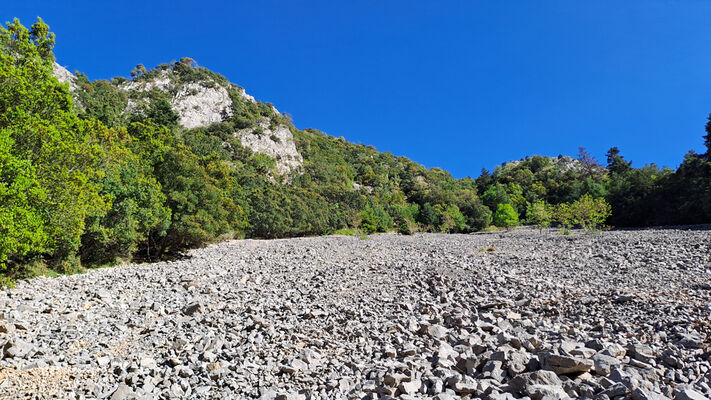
689 394
123 392
563 365
436 331
410 387
466 386
641 352
18 348
540 392
641 394
603 364
691 341
520 382
618 389
192 308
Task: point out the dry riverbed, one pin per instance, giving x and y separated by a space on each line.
496 315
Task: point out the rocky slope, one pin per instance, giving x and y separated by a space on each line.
204 102
497 316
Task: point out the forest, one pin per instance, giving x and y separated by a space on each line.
87 180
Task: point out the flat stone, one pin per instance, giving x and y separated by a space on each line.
411 387
519 383
689 394
437 331
563 365
123 392
641 394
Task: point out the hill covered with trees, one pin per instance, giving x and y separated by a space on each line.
94 172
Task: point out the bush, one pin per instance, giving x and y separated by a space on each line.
478 216
590 213
22 225
505 216
563 215
451 219
136 210
375 219
540 214
204 199
495 195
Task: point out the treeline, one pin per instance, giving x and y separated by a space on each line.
639 197
112 176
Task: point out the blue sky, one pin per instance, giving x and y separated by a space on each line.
456 85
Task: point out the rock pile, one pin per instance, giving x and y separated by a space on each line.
621 314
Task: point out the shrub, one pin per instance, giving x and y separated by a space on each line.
495 195
451 219
563 216
505 216
375 219
540 214
590 213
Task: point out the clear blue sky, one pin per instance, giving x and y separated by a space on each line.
456 85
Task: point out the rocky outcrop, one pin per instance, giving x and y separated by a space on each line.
64 76
276 142
197 104
204 103
207 102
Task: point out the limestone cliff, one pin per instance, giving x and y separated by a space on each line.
277 142
201 98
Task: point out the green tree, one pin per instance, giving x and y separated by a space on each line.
139 70
36 113
451 219
103 101
22 224
136 209
563 216
616 163
540 214
428 216
495 195
477 215
204 199
375 219
505 216
590 213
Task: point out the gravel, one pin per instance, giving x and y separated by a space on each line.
620 314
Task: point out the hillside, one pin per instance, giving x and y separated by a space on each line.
177 157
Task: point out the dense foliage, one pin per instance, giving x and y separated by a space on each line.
106 173
646 196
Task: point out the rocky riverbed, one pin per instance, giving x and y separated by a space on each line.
620 314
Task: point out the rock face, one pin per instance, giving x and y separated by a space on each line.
197 104
201 106
421 316
64 76
277 143
205 103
